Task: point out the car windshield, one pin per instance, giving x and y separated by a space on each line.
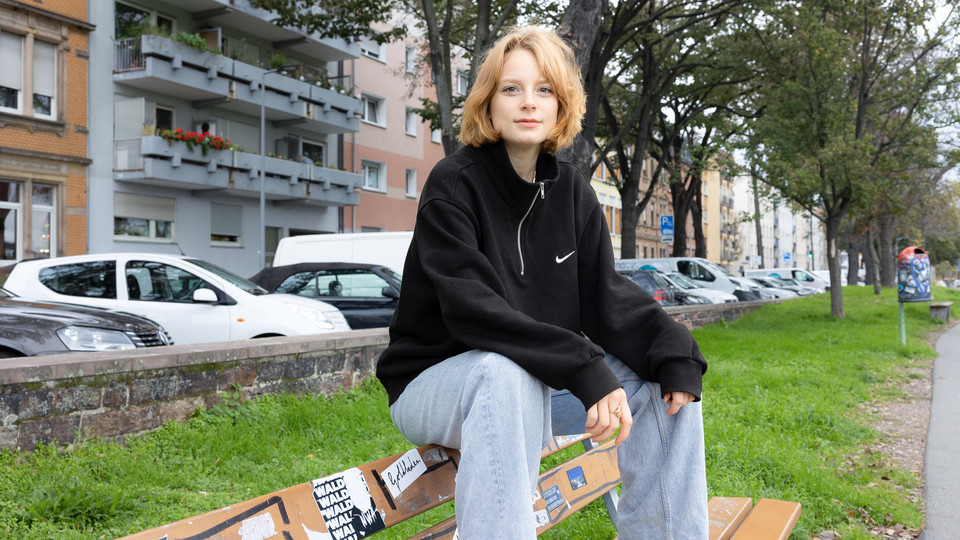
684 281
393 274
713 266
234 279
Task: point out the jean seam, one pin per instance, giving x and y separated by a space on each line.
492 463
664 449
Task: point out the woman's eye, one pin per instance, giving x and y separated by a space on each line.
545 90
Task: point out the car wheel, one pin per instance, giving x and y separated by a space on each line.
10 353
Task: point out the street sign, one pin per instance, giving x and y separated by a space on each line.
666 229
786 256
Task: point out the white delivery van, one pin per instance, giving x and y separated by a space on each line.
705 272
803 277
385 248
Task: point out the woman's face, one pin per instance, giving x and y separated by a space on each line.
524 106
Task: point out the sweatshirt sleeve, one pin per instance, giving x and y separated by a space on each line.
475 310
627 322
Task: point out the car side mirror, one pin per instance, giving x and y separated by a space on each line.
390 292
205 296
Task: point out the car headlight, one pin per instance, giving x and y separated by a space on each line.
81 338
315 316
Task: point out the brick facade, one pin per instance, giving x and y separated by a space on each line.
49 151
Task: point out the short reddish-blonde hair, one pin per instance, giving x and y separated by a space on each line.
557 65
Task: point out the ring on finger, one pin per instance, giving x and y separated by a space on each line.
618 411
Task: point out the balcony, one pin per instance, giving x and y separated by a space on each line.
241 15
160 64
157 162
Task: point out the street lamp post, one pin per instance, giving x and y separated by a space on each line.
289 68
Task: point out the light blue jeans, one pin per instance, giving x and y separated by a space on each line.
500 417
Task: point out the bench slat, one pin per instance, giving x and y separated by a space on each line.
561 491
770 519
298 511
726 514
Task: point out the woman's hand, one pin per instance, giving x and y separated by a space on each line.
607 415
676 400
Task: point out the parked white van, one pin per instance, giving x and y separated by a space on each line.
705 272
802 276
384 248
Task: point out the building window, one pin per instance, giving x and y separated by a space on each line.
272 237
411 126
130 21
436 136
372 49
411 182
164 117
410 59
143 217
463 82
15 73
43 221
373 112
367 228
374 175
315 152
40 238
226 224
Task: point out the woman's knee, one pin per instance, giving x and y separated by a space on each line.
498 374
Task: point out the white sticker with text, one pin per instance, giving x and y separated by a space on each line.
403 472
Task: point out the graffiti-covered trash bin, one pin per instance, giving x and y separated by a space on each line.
913 275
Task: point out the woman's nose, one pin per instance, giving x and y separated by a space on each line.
528 102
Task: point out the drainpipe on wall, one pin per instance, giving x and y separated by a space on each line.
353 140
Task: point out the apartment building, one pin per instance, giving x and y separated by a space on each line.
719 218
172 82
648 242
44 56
394 149
791 238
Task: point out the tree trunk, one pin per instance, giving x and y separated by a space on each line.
580 26
867 261
756 215
700 240
874 261
833 263
888 259
630 213
853 255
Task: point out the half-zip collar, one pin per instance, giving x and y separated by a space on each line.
517 192
533 203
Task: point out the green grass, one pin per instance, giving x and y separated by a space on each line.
782 408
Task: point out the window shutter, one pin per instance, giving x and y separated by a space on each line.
11 60
44 68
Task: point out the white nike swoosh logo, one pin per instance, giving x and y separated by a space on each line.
565 257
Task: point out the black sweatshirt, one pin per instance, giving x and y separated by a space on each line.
526 270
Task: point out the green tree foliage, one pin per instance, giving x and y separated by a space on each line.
345 19
851 93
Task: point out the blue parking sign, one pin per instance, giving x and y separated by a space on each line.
666 225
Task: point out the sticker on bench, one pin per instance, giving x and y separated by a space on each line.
258 527
576 477
346 506
402 472
553 498
541 517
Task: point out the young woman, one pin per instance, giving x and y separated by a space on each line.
509 291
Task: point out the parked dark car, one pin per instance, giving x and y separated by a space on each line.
37 328
654 284
366 294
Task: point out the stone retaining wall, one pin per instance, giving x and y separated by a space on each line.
64 398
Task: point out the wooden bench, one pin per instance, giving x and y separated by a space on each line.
360 501
940 310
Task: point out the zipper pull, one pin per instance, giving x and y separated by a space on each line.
541 191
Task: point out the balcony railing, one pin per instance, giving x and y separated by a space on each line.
159 64
157 161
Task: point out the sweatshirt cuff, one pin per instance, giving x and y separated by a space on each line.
682 376
592 382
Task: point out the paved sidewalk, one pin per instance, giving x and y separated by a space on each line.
942 460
